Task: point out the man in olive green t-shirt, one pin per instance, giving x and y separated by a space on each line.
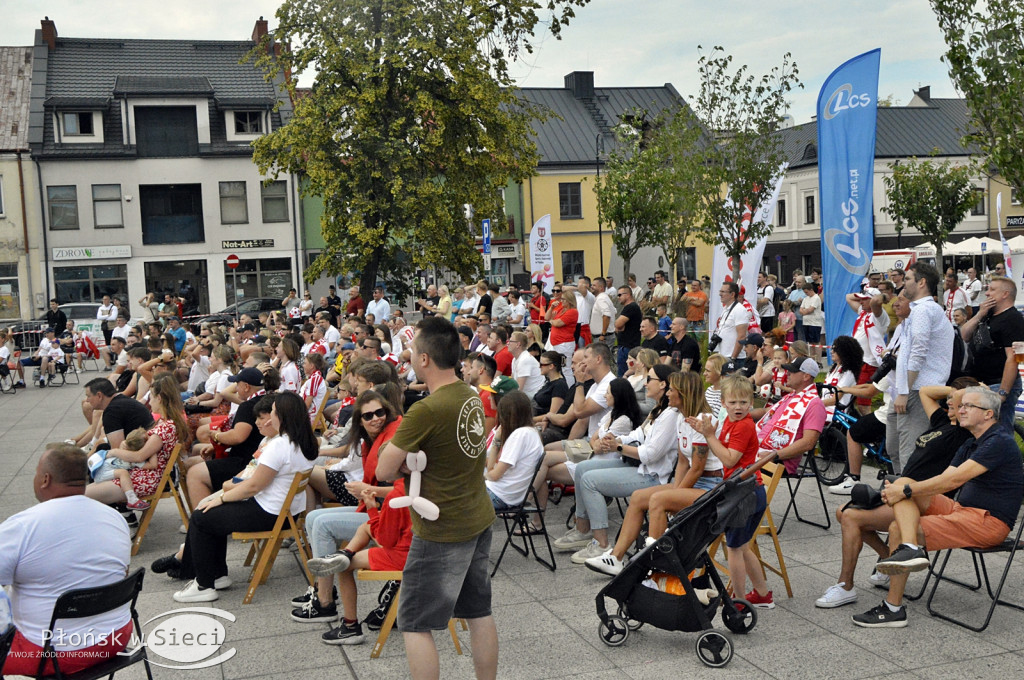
446 574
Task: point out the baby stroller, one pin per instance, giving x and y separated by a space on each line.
682 550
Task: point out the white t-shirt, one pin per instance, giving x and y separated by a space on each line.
331 335
603 306
525 366
122 358
585 306
688 437
768 309
620 427
285 458
59 545
520 310
727 323
521 451
199 373
955 299
973 288
663 290
290 378
121 331
212 382
816 317
598 393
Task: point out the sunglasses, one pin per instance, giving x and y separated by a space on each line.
370 415
545 364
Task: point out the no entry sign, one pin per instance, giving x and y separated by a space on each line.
232 261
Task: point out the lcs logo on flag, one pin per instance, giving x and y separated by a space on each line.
844 244
844 98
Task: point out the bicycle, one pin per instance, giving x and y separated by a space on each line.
830 461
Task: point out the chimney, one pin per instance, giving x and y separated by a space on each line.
925 93
49 33
259 30
581 83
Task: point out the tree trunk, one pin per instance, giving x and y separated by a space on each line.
938 258
625 269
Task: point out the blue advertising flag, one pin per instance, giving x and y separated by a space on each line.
847 114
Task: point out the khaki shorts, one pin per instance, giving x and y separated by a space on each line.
947 524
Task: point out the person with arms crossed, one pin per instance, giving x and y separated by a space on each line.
732 325
447 571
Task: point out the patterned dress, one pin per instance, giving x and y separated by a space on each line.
145 481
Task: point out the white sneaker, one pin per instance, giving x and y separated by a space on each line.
182 529
193 593
843 488
592 549
573 540
649 541
607 564
223 583
879 580
836 596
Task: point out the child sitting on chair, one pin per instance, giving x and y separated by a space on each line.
113 467
735 444
389 528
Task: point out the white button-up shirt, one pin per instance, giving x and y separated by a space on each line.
927 347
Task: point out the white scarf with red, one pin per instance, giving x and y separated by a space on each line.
754 326
783 432
870 336
832 379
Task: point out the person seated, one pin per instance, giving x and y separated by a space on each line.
41 358
933 451
113 467
314 389
713 377
868 429
647 458
791 427
988 472
772 374
697 471
558 420
65 542
391 530
513 455
847 359
592 366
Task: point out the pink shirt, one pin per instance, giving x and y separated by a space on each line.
814 419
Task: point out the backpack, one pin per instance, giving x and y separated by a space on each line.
779 297
962 362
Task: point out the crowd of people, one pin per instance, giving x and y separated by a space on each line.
593 388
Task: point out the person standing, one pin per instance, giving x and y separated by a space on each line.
972 286
995 363
334 304
696 306
106 315
379 307
869 331
602 314
447 571
765 302
651 338
796 298
55 316
955 297
627 326
585 301
924 358
662 294
683 350
355 305
732 325
814 318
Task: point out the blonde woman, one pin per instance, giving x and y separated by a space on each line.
444 305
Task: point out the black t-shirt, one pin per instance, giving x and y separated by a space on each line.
657 343
124 380
125 414
550 390
746 367
935 448
432 301
629 336
486 302
1007 328
245 414
686 348
1001 487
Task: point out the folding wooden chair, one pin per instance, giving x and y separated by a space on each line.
320 421
165 488
265 544
518 516
389 620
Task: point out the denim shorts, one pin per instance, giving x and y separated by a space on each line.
737 538
442 581
497 502
707 483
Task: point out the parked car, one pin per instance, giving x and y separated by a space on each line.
226 316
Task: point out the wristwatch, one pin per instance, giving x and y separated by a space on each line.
906 490
1002 393
619 448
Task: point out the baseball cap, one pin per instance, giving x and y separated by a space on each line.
251 376
501 385
348 346
755 339
806 365
247 327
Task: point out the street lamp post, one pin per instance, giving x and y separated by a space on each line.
598 150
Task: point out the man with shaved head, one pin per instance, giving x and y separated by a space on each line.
67 541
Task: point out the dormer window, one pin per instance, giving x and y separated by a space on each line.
78 123
248 122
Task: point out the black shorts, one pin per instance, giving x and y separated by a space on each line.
867 430
223 469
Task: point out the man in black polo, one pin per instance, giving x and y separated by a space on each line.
683 350
651 338
627 326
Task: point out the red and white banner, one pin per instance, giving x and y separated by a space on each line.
542 258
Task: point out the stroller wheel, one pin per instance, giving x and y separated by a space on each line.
741 617
632 624
714 649
614 631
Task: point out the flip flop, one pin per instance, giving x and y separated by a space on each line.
530 531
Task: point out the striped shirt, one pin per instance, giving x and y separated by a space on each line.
316 387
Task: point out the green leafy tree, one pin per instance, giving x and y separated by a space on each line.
744 112
931 197
635 193
412 116
986 64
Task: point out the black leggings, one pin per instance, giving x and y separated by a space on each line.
206 545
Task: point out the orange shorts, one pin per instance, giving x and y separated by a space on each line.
947 524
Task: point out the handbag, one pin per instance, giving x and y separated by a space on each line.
864 497
577 450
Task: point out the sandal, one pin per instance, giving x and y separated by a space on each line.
531 530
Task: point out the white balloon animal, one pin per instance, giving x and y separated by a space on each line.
417 463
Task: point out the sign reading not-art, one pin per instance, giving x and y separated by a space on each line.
248 243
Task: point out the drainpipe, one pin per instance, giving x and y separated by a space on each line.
24 229
298 227
46 246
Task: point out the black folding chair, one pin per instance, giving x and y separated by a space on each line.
802 472
1010 545
85 602
518 516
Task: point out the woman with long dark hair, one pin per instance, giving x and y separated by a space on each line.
252 504
847 357
513 455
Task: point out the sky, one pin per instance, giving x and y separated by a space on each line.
625 42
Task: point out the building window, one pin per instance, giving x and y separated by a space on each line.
1014 197
275 201
90 284
63 202
1 195
570 206
270 277
233 207
78 123
780 212
106 206
10 298
166 131
248 122
979 202
572 264
809 209
171 213
686 264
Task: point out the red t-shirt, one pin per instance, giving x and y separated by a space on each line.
370 454
504 360
566 333
740 435
488 401
355 306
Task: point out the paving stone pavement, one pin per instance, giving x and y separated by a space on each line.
547 625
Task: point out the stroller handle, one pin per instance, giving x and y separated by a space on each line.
751 469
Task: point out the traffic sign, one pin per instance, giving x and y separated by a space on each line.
487 237
231 261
